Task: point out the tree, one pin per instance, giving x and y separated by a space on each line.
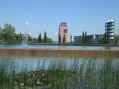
84 37
0 29
29 38
105 40
59 38
0 32
8 32
49 40
40 38
45 37
18 37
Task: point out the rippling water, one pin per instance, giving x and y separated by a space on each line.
58 73
60 47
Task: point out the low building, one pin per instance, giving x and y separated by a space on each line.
99 38
85 39
77 39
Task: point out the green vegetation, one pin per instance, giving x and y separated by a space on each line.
40 38
59 38
85 75
30 39
84 37
105 40
45 39
8 34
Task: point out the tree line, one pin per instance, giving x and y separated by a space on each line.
103 39
8 34
44 39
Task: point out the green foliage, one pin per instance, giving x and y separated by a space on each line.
49 40
8 34
40 38
29 39
0 29
18 37
59 38
0 33
83 74
84 34
105 40
45 39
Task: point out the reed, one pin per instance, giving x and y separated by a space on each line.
88 74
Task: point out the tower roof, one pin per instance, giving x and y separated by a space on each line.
110 20
63 24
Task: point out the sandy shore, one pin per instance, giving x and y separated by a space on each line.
58 52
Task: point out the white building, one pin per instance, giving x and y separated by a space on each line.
109 30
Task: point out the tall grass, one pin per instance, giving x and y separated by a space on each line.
82 74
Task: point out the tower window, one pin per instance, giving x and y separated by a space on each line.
65 31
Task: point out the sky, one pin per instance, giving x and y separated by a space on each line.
38 16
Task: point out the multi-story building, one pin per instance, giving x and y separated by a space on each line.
63 33
109 30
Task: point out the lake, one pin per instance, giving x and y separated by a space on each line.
58 73
60 47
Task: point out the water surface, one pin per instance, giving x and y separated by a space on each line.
60 47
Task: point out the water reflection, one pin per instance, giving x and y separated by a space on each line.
58 73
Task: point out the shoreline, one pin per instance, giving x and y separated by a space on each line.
45 52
